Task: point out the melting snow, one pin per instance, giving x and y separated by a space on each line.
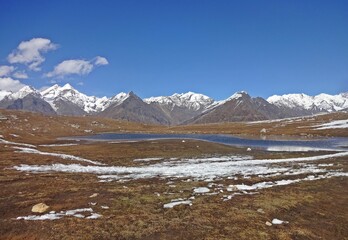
201 190
276 221
94 216
297 149
58 145
332 125
63 156
3 141
197 168
146 159
176 202
207 169
53 216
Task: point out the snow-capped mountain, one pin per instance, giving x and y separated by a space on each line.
23 92
27 98
311 104
55 95
237 108
181 107
190 100
4 93
118 98
134 109
170 110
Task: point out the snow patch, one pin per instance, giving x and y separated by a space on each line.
60 155
176 202
3 141
146 159
277 221
332 125
54 216
58 145
201 190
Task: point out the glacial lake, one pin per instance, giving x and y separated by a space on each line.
324 144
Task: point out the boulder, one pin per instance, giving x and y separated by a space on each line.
94 195
40 208
263 130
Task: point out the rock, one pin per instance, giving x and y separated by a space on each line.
94 195
263 130
2 117
268 223
260 210
232 188
40 208
278 221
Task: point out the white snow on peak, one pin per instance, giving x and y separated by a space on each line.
67 92
23 92
119 97
236 95
190 100
323 102
4 93
68 87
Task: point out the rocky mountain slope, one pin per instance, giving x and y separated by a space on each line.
134 109
240 107
28 99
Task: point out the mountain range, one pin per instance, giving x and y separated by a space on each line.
185 108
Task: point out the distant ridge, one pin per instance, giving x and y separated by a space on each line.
183 108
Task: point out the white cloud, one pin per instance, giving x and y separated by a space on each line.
80 83
99 61
30 52
6 70
69 67
10 84
20 75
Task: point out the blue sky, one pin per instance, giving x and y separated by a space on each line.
162 47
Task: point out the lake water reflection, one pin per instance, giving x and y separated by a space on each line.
334 144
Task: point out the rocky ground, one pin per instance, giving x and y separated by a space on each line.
168 189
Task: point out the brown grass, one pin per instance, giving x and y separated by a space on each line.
314 209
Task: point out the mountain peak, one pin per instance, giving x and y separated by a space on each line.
238 95
318 103
189 100
131 93
27 89
23 92
68 87
4 93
